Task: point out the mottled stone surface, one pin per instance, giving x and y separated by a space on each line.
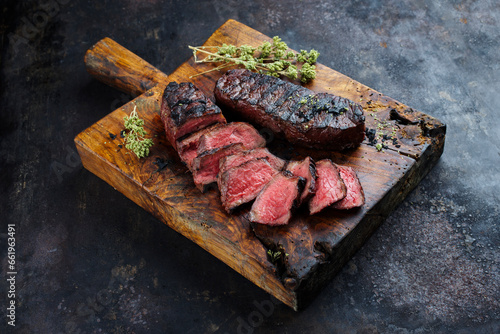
89 260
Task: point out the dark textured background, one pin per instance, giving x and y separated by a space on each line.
90 260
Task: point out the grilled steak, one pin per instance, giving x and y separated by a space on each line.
185 109
205 167
355 196
231 133
317 120
241 184
234 156
242 157
277 200
330 187
307 170
187 148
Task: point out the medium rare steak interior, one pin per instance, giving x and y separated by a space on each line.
231 133
275 203
244 156
307 170
355 196
187 148
241 184
303 117
206 165
330 187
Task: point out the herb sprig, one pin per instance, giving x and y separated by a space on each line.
273 59
134 138
276 255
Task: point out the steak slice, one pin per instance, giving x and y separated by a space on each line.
185 109
307 170
277 200
355 196
241 184
242 157
187 148
317 120
205 167
330 187
231 133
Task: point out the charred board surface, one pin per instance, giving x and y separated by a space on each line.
318 245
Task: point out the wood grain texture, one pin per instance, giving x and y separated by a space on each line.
116 66
317 246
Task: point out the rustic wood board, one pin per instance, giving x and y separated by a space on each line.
317 246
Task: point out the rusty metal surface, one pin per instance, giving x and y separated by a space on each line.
89 261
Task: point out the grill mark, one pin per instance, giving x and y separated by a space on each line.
275 103
289 109
271 96
245 84
187 101
261 83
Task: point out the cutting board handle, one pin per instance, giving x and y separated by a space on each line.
118 67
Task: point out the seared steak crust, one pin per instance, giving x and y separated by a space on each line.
185 109
317 120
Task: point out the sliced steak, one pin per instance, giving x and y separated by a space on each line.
330 187
205 167
355 196
187 148
185 109
277 200
231 133
241 184
242 157
307 170
317 120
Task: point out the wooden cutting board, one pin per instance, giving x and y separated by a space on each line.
316 246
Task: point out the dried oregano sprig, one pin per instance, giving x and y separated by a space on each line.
134 138
269 58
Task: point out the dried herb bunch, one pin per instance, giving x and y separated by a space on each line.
135 135
269 58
